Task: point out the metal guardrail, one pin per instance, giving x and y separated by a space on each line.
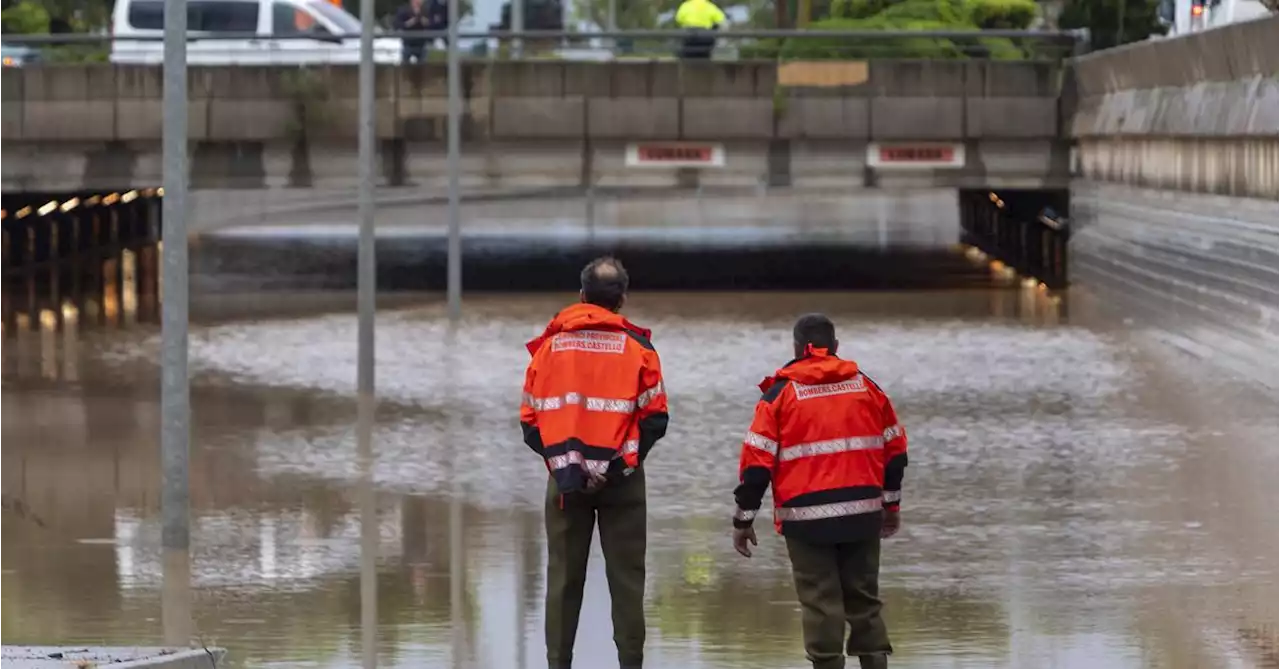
254 48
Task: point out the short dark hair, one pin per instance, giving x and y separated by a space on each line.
604 282
815 329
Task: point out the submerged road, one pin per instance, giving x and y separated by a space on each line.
1077 496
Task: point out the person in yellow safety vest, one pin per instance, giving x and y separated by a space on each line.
701 17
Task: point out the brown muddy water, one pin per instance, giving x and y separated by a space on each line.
1077 497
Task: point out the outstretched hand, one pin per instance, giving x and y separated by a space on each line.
740 538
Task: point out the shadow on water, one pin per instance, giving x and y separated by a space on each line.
1049 522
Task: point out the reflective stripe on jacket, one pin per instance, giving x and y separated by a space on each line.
702 14
827 438
593 395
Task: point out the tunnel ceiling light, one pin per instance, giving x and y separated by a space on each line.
47 208
111 199
160 191
93 201
70 204
129 197
24 212
4 213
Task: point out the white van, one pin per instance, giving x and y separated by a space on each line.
315 26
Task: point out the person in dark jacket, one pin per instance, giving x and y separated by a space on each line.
424 15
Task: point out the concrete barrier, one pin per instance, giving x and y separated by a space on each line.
97 126
524 100
1196 113
1174 198
1218 83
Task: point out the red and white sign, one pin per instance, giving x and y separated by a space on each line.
915 155
675 154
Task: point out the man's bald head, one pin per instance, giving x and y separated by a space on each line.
604 283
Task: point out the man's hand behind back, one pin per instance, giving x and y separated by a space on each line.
595 482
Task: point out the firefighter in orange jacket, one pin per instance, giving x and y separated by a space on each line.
594 404
827 439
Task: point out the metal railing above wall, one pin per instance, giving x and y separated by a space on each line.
635 45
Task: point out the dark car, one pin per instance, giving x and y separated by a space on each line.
17 55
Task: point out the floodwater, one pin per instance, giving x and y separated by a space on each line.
1077 497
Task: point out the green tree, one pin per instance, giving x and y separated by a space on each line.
44 16
26 18
1112 22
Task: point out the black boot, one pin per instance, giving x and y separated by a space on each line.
873 661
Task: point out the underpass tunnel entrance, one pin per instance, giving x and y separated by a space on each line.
1026 230
43 229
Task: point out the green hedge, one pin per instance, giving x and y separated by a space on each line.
1001 14
25 18
892 47
908 15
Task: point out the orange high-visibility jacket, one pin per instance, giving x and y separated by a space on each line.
827 438
593 395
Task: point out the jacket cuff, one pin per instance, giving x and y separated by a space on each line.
742 518
892 500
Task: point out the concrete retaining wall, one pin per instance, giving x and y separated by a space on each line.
515 165
1174 203
98 126
1200 269
1196 113
543 100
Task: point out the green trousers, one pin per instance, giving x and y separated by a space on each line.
839 585
571 519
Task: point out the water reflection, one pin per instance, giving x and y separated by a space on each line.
1049 520
176 597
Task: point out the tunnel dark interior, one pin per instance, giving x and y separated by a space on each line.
516 265
65 242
